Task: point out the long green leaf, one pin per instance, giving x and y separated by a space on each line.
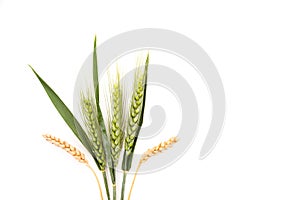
95 74
104 135
66 114
96 88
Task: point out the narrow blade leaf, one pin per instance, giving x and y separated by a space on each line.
96 88
104 135
66 114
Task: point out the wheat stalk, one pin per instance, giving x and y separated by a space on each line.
135 117
150 153
78 155
115 120
89 115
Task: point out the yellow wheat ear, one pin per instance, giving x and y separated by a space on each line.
67 147
152 152
78 155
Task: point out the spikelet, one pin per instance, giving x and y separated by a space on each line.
78 155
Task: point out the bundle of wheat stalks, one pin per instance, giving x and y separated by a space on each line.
105 139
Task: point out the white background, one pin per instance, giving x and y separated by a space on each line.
255 46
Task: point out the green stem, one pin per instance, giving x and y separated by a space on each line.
114 192
123 185
106 184
113 181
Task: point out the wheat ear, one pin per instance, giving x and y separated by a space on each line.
150 153
115 120
135 118
89 115
115 117
136 112
78 155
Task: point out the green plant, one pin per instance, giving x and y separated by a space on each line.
105 139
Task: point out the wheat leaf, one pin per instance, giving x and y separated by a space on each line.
66 114
104 136
95 74
96 88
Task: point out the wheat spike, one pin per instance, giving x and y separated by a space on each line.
150 153
78 155
88 109
158 149
67 147
135 118
115 118
89 115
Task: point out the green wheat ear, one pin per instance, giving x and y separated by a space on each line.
115 119
89 115
136 113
